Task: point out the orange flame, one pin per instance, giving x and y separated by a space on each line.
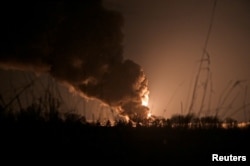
145 99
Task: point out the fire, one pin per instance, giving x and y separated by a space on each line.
126 118
149 115
144 100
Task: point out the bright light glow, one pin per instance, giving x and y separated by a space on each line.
144 100
243 124
126 118
149 115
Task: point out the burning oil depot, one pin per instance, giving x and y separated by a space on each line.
108 79
84 51
87 59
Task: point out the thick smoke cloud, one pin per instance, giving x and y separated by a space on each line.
79 44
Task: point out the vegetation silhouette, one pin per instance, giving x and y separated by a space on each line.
43 131
40 131
182 138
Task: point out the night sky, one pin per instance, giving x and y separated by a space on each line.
89 48
167 38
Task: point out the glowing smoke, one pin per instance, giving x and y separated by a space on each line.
79 44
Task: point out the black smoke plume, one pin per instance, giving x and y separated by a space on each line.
79 44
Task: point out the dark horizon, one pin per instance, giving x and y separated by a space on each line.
50 140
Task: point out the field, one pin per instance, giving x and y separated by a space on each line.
61 141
